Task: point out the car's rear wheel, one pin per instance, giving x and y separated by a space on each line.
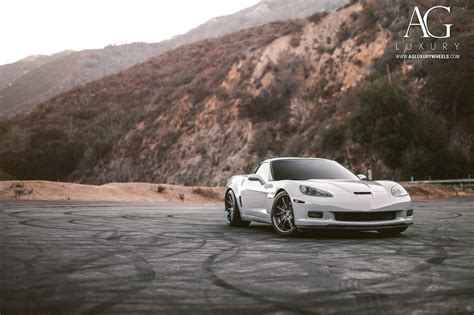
283 219
392 231
232 213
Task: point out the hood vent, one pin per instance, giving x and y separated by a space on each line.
362 193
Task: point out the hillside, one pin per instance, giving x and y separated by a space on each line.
61 74
10 72
33 80
324 86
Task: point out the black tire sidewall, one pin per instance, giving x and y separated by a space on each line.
235 219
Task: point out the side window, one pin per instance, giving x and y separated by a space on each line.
264 171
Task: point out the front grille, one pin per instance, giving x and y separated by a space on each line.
365 216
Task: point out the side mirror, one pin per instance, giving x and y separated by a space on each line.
362 177
256 178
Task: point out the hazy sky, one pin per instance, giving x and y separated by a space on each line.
29 27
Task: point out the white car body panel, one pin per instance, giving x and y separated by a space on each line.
255 202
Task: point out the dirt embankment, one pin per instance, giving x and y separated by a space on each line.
132 192
145 192
434 191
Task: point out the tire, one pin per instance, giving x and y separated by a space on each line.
232 213
283 219
392 231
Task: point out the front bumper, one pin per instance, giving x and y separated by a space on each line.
329 208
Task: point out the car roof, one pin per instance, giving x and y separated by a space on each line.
292 158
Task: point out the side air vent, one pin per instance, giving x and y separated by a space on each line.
362 193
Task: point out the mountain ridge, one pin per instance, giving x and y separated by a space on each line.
23 86
326 86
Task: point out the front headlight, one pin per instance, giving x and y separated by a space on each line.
398 191
315 192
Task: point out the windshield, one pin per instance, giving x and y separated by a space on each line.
301 169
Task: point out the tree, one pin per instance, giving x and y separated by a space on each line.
384 121
449 83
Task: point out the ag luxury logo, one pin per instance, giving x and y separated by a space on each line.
430 43
423 22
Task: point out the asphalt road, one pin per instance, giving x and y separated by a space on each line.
66 257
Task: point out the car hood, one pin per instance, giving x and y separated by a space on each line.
350 186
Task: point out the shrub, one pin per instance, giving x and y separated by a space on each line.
295 41
416 144
316 17
369 16
316 91
354 16
206 192
384 120
50 155
266 141
169 138
343 34
134 146
160 189
448 83
334 138
295 27
388 58
222 94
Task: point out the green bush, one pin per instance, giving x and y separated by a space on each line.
449 84
263 107
316 17
384 121
51 155
295 41
343 33
415 144
387 59
334 138
369 16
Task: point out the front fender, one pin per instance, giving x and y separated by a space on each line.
291 188
388 184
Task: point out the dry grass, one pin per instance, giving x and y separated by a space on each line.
121 192
206 192
145 192
434 191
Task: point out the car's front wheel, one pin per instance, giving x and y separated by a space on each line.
283 219
232 213
392 231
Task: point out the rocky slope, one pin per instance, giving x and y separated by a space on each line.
35 79
203 112
10 72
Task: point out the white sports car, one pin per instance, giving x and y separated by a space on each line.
298 193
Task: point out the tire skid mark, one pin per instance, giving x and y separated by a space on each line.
145 271
218 281
126 236
147 275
